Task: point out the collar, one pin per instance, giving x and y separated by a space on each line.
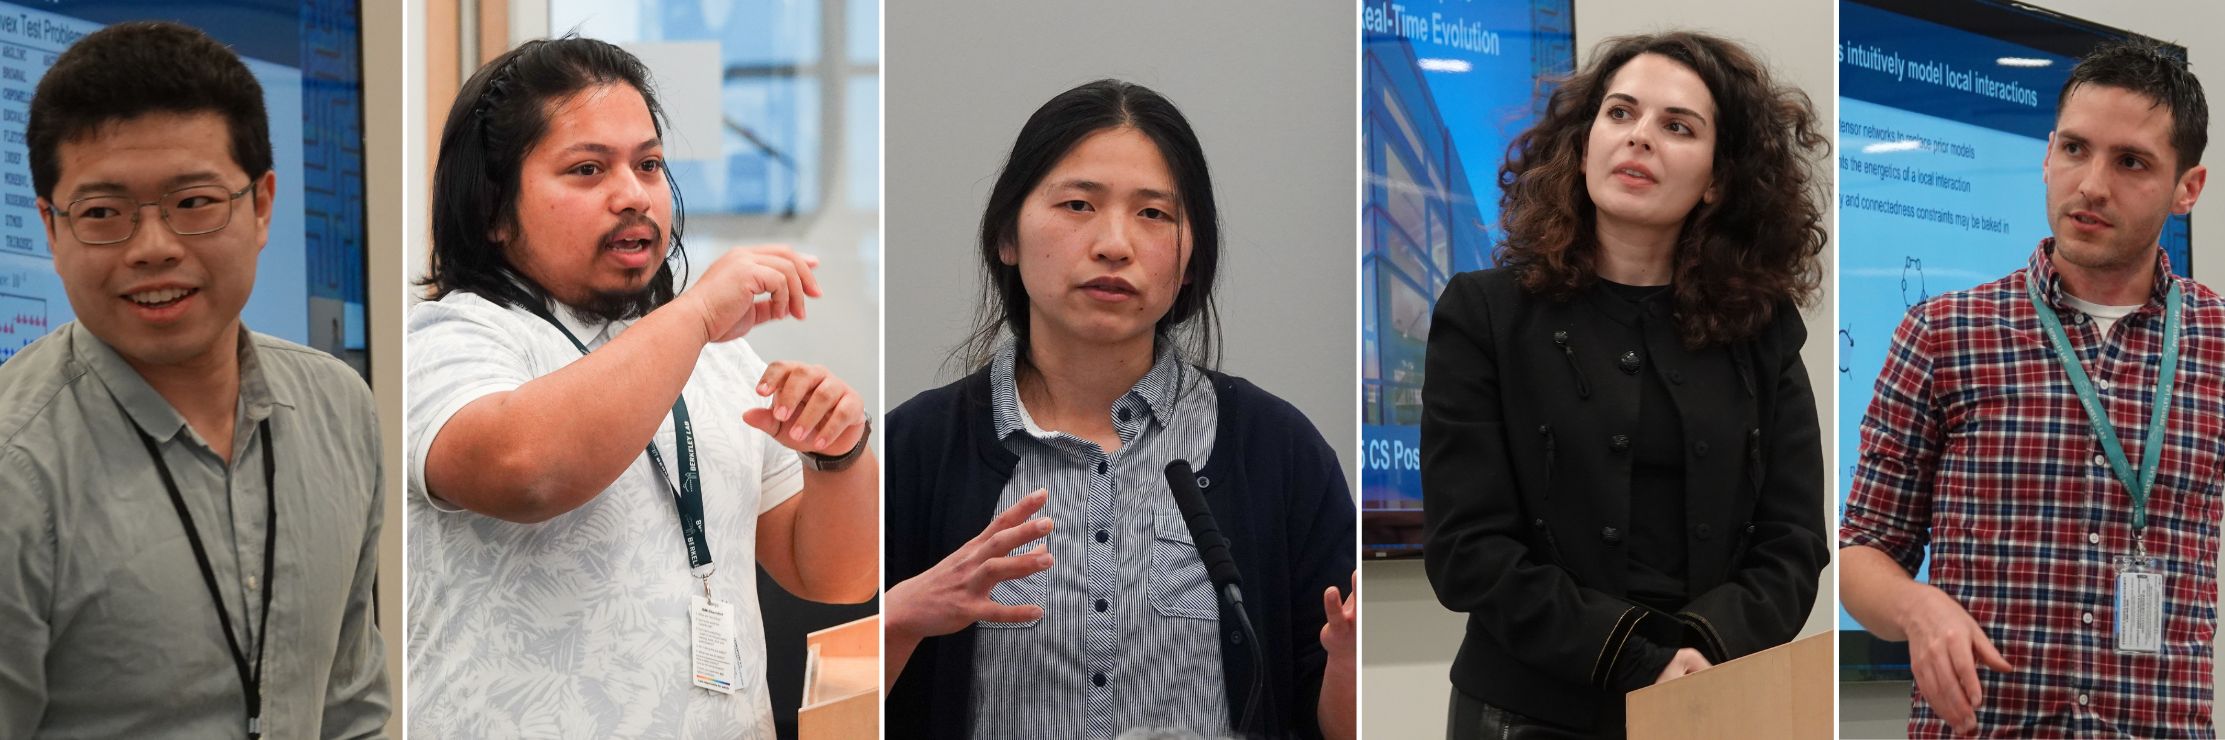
1154 391
148 409
592 332
1613 305
2042 265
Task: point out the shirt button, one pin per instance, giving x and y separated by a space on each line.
2099 462
1099 679
1100 467
2088 617
1102 606
1102 535
2093 538
1123 414
2081 698
2103 384
251 583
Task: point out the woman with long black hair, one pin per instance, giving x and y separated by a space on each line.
1088 378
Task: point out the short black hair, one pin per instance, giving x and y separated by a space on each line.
132 69
2149 68
1053 131
499 115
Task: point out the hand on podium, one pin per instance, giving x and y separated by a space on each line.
1686 662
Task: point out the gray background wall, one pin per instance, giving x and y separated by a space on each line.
1408 639
1880 709
1269 89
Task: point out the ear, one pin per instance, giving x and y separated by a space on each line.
2190 189
2046 157
46 216
266 188
1008 254
1708 196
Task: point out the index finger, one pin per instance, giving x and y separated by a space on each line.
1019 512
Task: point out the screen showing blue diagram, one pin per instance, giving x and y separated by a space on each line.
1945 109
310 281
1445 87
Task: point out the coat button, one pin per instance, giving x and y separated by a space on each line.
1619 443
1610 535
1676 377
1700 448
1629 362
1538 523
1560 337
1703 531
1749 528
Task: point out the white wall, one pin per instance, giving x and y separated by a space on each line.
1408 640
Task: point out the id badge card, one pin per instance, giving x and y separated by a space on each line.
711 633
2139 605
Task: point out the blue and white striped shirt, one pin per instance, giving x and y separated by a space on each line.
1129 636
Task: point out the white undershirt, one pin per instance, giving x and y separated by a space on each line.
2104 316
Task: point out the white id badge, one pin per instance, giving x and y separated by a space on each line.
2139 605
711 632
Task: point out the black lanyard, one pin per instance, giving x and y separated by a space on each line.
252 681
688 494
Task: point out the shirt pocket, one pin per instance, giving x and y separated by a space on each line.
1033 588
1177 584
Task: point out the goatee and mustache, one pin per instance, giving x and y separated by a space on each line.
630 304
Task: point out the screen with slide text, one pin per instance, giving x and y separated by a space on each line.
1445 86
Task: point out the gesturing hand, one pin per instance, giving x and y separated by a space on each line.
726 294
955 592
812 410
1945 648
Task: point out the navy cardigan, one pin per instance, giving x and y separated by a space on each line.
1275 489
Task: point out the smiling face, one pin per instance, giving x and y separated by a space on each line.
2112 178
593 205
1101 246
158 298
1650 158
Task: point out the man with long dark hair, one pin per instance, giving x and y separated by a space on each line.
2052 438
240 603
571 401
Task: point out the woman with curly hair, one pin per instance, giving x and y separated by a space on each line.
1621 467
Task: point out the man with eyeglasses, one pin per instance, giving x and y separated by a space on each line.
192 508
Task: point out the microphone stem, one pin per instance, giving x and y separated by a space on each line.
1235 598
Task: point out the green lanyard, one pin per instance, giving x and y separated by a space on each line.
688 493
2137 483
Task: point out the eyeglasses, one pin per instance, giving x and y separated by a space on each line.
189 211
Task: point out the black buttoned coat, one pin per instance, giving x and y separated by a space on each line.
1528 404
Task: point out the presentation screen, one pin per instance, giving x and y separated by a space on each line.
310 282
1944 112
1445 86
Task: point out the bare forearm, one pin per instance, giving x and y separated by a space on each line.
1873 587
553 443
837 533
1337 706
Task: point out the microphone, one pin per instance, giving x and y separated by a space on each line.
1211 546
1220 568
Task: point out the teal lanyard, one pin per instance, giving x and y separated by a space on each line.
688 494
2137 484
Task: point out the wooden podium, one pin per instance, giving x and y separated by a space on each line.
842 683
1782 692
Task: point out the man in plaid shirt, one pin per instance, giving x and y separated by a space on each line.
1978 445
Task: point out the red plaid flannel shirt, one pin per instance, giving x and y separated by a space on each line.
1976 446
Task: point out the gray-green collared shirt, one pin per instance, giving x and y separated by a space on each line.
106 625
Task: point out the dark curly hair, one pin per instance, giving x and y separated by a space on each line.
1737 258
